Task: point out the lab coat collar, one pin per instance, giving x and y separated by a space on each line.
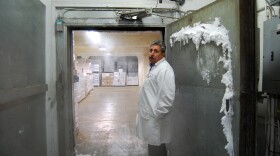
161 60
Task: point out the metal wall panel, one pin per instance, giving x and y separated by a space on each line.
197 105
22 78
196 118
271 56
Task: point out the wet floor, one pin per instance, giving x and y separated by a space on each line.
106 123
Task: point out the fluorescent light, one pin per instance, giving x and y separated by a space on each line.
102 49
94 36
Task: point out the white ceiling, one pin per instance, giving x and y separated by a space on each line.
89 43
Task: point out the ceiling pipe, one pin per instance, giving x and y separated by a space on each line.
65 10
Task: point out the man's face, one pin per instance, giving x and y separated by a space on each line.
155 54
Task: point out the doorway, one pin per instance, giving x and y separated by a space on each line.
109 67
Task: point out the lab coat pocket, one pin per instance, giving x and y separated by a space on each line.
144 112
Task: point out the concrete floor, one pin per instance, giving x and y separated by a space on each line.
106 123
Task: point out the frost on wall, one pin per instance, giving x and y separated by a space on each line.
201 33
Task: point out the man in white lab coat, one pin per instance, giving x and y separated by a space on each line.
155 102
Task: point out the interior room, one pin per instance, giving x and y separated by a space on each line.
109 66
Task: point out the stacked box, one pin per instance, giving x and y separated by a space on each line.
95 68
96 79
119 78
132 79
107 79
122 78
88 83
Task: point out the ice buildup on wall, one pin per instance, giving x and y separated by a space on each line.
202 33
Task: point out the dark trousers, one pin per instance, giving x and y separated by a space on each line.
157 150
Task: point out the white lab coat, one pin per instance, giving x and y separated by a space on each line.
155 103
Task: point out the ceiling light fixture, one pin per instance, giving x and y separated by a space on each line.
94 36
102 49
